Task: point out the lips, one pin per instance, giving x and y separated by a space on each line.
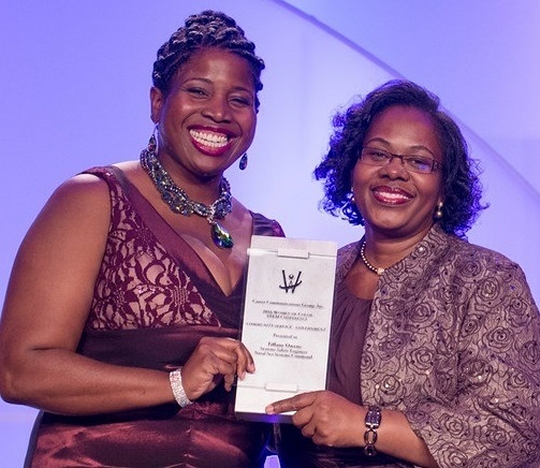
391 195
210 142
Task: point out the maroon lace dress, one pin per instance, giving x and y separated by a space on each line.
153 300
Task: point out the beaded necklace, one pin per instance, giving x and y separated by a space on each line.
379 271
179 202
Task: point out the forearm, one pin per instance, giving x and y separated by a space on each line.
64 382
396 438
332 420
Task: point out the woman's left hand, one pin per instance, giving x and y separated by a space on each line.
325 417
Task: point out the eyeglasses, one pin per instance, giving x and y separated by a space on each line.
380 157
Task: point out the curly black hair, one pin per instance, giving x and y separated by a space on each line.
462 189
204 30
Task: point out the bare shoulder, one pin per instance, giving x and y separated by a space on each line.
55 269
80 206
82 188
87 193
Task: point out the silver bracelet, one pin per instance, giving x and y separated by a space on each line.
175 378
373 421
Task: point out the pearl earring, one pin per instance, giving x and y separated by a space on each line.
438 212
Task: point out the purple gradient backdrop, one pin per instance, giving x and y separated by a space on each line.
75 78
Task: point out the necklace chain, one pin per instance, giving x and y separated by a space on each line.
180 203
379 271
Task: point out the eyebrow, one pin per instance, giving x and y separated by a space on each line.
412 148
210 82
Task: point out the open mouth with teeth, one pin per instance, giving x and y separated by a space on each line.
391 197
209 142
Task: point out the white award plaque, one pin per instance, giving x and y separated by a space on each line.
286 323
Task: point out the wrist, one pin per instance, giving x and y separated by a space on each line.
372 423
175 379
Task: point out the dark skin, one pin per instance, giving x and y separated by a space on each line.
398 207
51 287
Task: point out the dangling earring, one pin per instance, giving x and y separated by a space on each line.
153 142
351 203
438 212
243 162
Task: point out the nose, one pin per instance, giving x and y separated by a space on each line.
395 168
217 109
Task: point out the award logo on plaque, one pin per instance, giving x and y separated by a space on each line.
286 323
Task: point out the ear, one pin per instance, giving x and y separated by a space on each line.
157 100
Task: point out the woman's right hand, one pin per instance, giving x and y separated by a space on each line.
215 359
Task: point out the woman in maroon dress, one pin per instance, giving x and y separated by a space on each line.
122 313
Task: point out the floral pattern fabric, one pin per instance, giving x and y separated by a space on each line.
453 342
151 278
139 284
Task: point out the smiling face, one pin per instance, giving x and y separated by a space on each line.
207 120
394 202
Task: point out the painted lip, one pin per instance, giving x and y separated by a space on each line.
393 196
211 141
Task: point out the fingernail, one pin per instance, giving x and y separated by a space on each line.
269 409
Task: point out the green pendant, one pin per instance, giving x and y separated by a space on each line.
221 237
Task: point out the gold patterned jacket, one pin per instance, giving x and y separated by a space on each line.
453 342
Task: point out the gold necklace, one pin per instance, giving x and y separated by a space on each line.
379 271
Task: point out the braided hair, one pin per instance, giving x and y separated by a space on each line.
205 30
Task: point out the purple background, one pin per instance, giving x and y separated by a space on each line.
75 78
